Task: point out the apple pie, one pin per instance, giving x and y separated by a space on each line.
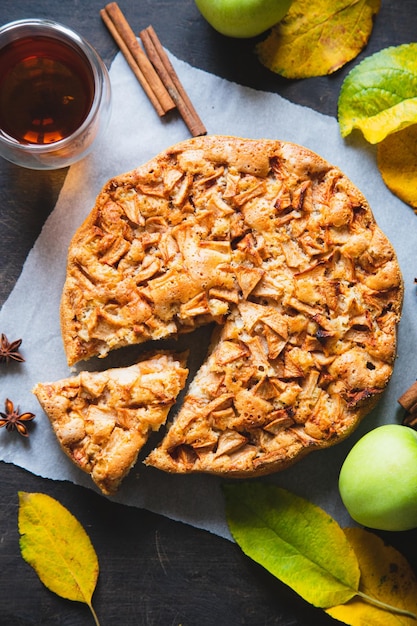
281 251
103 419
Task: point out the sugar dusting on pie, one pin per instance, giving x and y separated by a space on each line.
282 252
103 419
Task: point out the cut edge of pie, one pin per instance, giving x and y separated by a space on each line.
103 419
282 251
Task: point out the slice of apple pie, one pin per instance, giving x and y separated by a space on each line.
282 251
103 419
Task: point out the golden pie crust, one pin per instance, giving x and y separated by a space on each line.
103 419
279 249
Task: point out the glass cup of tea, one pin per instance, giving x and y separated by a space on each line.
54 94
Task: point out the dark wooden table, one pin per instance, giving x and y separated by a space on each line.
153 571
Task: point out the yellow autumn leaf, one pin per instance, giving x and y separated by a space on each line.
397 162
385 576
317 38
55 544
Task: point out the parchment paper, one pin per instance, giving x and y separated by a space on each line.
135 135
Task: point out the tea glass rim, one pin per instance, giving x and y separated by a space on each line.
38 27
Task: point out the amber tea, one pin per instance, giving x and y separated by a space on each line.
55 94
46 89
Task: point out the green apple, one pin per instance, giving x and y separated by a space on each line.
378 479
243 18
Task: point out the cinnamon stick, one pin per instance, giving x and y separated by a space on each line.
409 398
139 63
410 419
169 77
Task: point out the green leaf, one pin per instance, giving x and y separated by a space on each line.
379 96
294 540
55 544
317 38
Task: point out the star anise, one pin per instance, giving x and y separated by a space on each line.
12 419
9 350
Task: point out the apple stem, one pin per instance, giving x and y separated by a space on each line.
384 605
